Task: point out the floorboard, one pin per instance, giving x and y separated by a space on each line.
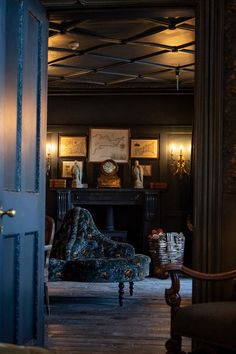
87 319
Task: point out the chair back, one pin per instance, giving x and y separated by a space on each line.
49 236
49 230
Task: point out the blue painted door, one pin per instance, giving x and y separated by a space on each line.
23 90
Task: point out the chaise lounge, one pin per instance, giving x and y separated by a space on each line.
82 253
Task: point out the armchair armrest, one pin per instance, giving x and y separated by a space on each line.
172 295
198 275
47 248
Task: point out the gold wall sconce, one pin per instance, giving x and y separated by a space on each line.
179 161
50 149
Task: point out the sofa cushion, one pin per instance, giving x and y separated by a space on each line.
213 322
100 270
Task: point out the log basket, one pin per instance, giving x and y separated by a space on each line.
165 248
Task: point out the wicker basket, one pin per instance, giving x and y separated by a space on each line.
165 248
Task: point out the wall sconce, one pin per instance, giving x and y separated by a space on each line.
50 149
178 163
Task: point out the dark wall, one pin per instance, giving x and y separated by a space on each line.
147 116
117 110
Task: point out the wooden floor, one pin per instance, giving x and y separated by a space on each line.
86 318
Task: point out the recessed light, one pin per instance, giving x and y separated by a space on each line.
73 45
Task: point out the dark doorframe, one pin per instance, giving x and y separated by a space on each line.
207 147
207 131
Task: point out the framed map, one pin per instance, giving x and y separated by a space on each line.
109 144
144 148
70 146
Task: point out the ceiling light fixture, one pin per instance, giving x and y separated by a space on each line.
177 74
73 45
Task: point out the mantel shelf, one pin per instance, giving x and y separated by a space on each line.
106 196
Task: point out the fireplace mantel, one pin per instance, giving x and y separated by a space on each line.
148 199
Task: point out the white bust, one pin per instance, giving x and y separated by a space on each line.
137 172
76 172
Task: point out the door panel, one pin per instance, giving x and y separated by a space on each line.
28 292
13 62
30 128
22 180
11 281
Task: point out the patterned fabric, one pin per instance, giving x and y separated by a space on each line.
82 253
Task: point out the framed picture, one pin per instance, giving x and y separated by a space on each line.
66 168
109 144
72 146
147 170
144 148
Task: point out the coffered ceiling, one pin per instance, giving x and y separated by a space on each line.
120 48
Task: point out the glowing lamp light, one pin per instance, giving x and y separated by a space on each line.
177 162
50 149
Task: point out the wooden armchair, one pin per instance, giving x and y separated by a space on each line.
49 236
213 324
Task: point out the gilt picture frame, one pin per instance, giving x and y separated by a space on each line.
144 148
107 143
147 170
66 167
72 146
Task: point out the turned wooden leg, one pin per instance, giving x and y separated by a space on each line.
173 345
46 298
131 288
121 293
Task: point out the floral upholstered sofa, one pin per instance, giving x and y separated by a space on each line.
82 253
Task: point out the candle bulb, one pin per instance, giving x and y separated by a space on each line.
50 148
181 150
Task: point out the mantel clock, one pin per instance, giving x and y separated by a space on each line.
108 175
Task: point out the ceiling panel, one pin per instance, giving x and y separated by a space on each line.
87 61
173 38
118 29
126 51
134 69
56 55
64 40
172 59
121 51
63 71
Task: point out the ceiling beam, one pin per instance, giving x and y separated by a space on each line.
146 33
87 81
169 47
123 13
85 32
75 52
113 82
